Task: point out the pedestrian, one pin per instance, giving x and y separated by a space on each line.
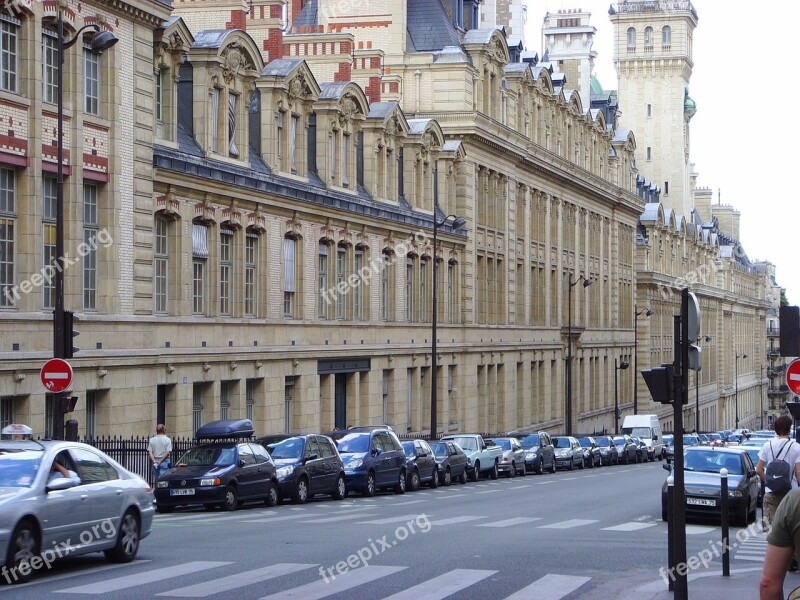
159 449
783 542
782 448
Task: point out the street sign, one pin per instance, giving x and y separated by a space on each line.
793 376
56 375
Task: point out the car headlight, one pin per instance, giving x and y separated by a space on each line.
163 484
354 464
735 493
211 481
284 472
530 455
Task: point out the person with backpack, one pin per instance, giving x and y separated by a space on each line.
778 466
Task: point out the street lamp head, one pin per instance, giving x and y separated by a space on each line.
624 364
648 313
459 222
708 338
744 355
587 282
103 41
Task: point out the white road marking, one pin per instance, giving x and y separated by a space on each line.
231 582
550 587
443 586
129 581
322 589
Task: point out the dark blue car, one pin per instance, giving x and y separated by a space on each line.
307 465
373 459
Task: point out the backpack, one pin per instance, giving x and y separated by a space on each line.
779 472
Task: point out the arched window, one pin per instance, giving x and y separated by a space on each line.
666 37
648 38
631 39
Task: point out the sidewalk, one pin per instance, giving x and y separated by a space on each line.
741 584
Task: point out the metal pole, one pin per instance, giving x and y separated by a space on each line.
568 407
761 393
434 382
723 500
697 401
681 333
616 401
635 361
736 387
671 531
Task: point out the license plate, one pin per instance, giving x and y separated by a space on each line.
701 501
189 492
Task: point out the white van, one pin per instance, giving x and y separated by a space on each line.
647 429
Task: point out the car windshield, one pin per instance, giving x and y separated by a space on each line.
585 442
467 443
668 439
18 467
221 456
354 442
602 442
639 432
690 440
529 441
408 447
714 436
712 462
618 441
439 450
291 448
561 442
504 444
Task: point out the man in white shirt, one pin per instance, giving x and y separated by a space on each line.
60 471
159 449
783 448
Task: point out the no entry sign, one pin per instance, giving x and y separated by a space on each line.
793 376
56 375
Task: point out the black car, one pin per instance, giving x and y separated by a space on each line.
702 483
592 456
539 452
609 453
221 472
307 465
373 458
420 465
628 450
451 461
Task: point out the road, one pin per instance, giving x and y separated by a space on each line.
595 533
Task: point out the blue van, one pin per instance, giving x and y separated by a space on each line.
373 459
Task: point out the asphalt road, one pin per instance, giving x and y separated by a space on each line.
595 533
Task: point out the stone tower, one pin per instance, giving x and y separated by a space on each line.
653 60
568 39
511 14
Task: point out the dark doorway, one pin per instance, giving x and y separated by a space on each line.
161 404
340 401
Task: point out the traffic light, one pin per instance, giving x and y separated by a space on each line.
660 382
789 330
67 403
695 352
69 333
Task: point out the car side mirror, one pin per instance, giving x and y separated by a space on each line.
751 473
60 483
241 462
376 451
667 466
311 457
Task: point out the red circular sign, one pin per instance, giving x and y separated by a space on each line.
56 375
793 376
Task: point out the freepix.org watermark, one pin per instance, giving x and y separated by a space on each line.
44 560
361 558
59 264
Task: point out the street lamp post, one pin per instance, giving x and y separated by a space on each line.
697 395
761 394
622 365
102 40
568 408
646 312
736 384
458 223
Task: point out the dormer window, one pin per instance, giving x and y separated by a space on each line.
233 100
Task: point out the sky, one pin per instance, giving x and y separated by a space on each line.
743 133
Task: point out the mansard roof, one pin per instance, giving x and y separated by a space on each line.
452 54
419 127
308 16
386 112
428 28
220 39
282 67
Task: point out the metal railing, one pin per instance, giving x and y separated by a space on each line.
131 453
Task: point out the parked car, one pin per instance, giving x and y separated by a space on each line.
592 457
753 452
373 458
513 461
307 465
569 452
644 453
451 462
40 510
702 483
669 447
483 457
539 452
735 439
627 449
221 472
420 465
716 439
608 450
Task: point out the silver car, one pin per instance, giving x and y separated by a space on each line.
64 498
569 453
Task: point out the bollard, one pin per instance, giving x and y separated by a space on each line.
670 532
723 503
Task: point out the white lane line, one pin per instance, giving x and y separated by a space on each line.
569 524
631 526
390 520
338 518
322 589
550 587
454 520
443 586
129 581
510 522
284 518
231 582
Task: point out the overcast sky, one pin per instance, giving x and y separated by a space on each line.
743 133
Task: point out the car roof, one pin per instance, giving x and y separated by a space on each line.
723 449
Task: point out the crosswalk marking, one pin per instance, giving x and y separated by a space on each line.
322 589
488 491
129 581
698 529
50 579
231 582
631 526
569 524
510 522
443 586
454 520
407 502
400 519
340 518
283 518
550 587
453 495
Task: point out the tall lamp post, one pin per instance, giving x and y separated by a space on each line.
736 384
622 365
697 395
646 312
102 40
761 394
458 223
568 408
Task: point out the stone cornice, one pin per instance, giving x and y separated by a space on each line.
149 12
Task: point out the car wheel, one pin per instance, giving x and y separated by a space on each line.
524 470
553 467
539 469
127 540
369 490
447 477
493 472
165 510
434 479
413 481
273 497
22 547
463 477
340 490
513 471
475 471
571 464
400 488
300 495
231 501
582 465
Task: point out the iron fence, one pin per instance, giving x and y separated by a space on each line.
131 453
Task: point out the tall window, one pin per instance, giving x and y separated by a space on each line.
648 38
341 277
666 37
334 147
91 81
224 399
160 96
9 30
8 221
450 293
225 270
279 135
90 229
160 264
50 66
199 258
289 276
322 278
49 202
197 406
250 398
423 290
91 413
233 100
409 289
358 291
386 259
295 125
631 39
250 274
345 159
